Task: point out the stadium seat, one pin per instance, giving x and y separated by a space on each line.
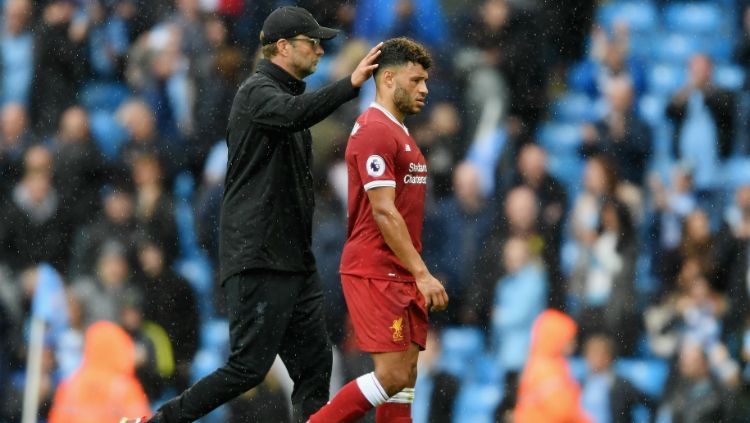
677 48
651 108
205 362
730 77
107 133
215 336
640 16
664 79
197 270
736 172
578 367
462 346
560 138
487 370
574 108
103 96
704 18
477 403
647 375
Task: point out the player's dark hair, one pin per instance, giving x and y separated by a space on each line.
400 51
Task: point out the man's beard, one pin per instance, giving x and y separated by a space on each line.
304 67
402 101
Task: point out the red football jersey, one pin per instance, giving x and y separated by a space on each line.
381 153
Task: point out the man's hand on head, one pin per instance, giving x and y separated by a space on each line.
366 66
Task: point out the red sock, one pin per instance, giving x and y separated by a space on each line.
392 412
397 409
352 402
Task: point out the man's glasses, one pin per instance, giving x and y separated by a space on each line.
314 42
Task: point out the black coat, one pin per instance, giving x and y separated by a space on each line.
721 105
267 211
624 397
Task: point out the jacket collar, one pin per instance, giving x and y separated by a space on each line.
294 85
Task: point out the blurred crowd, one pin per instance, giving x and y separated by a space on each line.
565 172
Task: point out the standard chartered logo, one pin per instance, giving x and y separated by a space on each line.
410 178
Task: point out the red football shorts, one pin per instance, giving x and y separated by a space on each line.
387 315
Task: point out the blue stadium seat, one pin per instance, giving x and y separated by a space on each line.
205 362
647 375
477 403
215 336
736 172
730 77
578 367
574 108
103 96
677 47
487 370
665 79
107 133
640 16
560 138
461 347
693 18
651 108
198 272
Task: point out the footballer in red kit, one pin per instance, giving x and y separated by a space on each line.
386 284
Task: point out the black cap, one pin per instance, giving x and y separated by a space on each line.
290 21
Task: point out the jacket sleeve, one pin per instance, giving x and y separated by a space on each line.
274 108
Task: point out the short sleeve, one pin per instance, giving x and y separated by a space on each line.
375 155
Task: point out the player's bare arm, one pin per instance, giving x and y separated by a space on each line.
396 235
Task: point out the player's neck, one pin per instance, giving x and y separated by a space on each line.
388 104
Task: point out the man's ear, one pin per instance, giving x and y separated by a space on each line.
386 76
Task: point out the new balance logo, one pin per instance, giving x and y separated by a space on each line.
407 148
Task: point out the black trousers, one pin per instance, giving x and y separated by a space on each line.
270 313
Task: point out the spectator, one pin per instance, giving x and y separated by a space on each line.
69 351
458 229
34 226
553 204
79 166
59 55
17 68
520 297
154 209
216 80
732 258
139 120
170 302
102 294
703 115
695 397
104 388
421 20
697 244
621 135
607 397
599 181
154 361
116 224
701 310
108 39
671 205
548 392
520 219
610 61
605 274
441 145
15 138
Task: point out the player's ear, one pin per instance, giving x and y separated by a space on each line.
387 78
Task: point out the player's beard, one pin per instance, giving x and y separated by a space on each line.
403 102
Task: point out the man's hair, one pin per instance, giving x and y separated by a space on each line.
268 50
400 51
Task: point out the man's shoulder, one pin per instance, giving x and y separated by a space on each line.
372 123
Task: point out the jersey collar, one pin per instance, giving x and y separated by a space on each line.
390 116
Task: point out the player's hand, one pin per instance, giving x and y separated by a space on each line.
433 292
366 66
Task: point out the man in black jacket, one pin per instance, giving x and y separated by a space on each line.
274 295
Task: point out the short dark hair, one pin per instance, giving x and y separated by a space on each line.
400 51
